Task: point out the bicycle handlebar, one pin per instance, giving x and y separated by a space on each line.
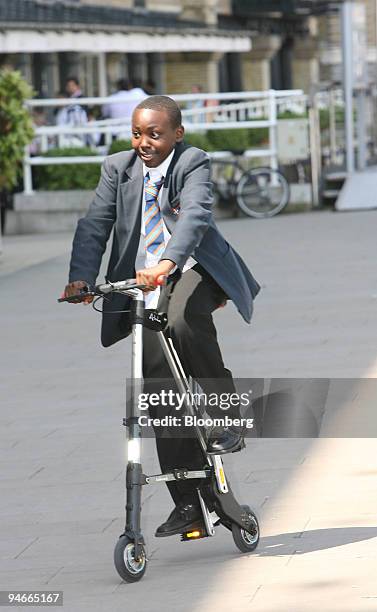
125 285
103 289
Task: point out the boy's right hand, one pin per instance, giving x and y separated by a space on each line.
75 288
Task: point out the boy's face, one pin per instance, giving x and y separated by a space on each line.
153 136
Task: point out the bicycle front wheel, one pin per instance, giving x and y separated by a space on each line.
262 192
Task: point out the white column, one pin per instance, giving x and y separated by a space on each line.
348 82
102 77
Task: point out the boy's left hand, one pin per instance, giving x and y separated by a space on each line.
149 276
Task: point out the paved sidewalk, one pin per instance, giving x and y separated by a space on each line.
62 445
21 252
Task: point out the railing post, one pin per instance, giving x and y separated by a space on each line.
332 127
315 151
273 129
28 178
44 143
361 129
346 14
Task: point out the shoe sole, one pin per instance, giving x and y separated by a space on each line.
180 530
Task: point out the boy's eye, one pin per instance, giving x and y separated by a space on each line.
155 135
135 134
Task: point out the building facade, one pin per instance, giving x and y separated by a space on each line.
172 45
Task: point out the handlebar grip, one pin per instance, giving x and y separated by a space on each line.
79 297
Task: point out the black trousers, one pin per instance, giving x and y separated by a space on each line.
189 302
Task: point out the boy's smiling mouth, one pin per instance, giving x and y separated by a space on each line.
146 156
150 158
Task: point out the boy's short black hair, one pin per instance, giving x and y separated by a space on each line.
163 103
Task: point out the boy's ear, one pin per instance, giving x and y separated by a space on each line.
179 133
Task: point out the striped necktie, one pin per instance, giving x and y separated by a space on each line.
154 233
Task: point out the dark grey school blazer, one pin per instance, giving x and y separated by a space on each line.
186 210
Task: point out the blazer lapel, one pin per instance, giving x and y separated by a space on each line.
164 204
131 192
131 195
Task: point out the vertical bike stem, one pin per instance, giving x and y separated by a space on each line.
134 468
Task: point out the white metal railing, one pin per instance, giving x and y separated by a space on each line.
332 142
253 109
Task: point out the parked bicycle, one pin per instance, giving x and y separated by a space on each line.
260 192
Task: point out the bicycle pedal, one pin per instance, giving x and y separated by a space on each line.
194 534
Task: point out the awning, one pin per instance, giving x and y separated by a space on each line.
47 41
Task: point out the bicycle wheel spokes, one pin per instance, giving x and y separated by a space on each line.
262 192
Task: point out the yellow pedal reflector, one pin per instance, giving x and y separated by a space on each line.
193 534
222 475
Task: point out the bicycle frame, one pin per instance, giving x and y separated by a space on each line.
215 497
135 477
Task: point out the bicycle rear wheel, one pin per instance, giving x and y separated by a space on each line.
262 192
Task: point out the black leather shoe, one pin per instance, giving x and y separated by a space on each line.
230 440
183 517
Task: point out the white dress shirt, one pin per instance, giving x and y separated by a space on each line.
144 258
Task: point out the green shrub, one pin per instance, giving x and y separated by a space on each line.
119 145
228 140
198 140
324 117
257 136
68 176
16 129
291 115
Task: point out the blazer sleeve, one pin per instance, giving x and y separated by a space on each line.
94 229
195 210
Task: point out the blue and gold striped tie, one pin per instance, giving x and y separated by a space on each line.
154 233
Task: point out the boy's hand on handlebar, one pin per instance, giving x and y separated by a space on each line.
76 288
150 276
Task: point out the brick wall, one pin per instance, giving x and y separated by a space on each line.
183 70
256 74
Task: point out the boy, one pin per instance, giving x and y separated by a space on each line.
158 199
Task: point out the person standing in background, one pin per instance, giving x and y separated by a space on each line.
137 91
150 87
77 113
73 115
126 98
121 107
